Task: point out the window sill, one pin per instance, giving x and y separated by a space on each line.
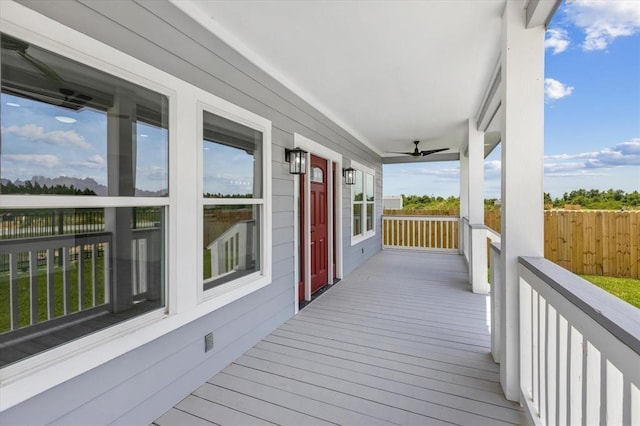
360 238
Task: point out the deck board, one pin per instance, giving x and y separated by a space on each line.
402 340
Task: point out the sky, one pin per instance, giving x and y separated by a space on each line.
592 109
40 139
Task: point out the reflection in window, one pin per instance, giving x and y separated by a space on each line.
317 175
357 197
357 219
65 273
363 203
231 236
370 190
232 156
232 175
68 129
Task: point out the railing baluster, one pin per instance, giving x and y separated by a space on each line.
143 262
94 274
576 359
542 357
106 261
562 377
614 395
13 272
51 291
631 404
535 360
81 280
66 279
33 283
526 342
552 356
593 385
446 233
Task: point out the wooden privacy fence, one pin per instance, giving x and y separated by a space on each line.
420 232
594 242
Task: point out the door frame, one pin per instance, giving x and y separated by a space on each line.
334 230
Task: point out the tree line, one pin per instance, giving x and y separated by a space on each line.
29 187
591 199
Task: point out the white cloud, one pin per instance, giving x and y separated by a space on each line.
604 21
93 162
492 168
40 160
622 154
569 170
56 137
155 172
553 89
557 39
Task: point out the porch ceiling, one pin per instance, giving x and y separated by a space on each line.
388 72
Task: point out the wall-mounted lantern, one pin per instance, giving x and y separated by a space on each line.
297 159
349 175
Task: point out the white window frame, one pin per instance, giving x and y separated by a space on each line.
32 376
365 235
242 286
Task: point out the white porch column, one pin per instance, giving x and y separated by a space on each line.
478 233
522 172
464 199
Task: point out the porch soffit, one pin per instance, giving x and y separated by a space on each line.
387 72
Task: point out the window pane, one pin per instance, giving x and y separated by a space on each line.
231 243
370 187
74 130
357 219
357 187
231 158
92 268
369 217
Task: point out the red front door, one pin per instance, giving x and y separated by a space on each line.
319 223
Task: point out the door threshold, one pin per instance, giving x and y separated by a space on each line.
318 293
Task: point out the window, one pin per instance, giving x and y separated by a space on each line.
362 204
100 144
233 220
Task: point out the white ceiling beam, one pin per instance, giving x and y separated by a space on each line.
491 100
540 12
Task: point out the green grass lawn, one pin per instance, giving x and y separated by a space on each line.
627 289
24 299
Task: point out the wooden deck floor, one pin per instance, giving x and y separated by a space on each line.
402 340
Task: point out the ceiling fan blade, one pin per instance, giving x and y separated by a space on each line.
433 151
403 153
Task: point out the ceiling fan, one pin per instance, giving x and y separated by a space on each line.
55 91
417 153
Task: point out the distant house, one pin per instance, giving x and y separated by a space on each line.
392 202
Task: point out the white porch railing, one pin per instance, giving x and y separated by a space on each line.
58 251
579 347
466 239
420 233
77 270
146 262
229 250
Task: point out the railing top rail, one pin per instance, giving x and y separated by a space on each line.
52 241
496 247
616 316
493 235
425 217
